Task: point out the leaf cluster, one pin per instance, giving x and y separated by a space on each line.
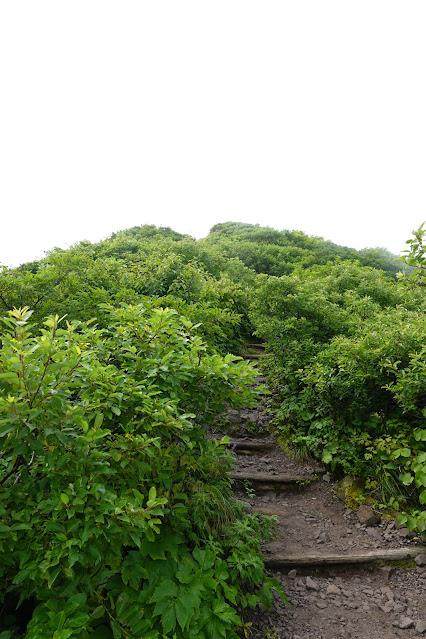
116 512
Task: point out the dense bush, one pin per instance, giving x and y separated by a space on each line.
116 512
347 358
273 252
131 267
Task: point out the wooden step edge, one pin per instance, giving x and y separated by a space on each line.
266 478
254 356
256 345
238 445
387 555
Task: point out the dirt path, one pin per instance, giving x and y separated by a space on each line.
379 600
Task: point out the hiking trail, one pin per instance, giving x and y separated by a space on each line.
345 573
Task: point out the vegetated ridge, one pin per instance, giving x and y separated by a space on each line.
117 516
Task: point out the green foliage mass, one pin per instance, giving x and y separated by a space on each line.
116 511
139 265
273 252
347 357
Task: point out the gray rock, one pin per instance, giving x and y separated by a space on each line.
367 516
405 623
311 584
421 559
387 571
292 574
388 592
420 627
333 590
399 608
234 417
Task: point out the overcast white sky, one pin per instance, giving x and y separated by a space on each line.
297 114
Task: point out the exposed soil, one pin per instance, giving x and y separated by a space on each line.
368 601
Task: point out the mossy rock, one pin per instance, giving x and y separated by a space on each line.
351 491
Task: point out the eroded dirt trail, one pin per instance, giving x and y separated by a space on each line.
318 538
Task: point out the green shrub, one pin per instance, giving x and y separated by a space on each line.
347 359
116 511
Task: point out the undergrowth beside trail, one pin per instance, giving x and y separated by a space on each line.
347 359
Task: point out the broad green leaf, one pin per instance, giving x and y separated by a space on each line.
167 588
79 620
168 618
62 634
98 420
406 479
182 614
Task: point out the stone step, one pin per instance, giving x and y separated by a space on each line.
252 356
348 558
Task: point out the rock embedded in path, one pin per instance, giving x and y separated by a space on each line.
367 516
311 584
420 627
387 571
421 559
405 623
332 589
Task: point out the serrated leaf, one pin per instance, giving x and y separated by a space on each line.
223 611
133 573
230 592
182 613
185 571
168 618
166 589
265 595
327 457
